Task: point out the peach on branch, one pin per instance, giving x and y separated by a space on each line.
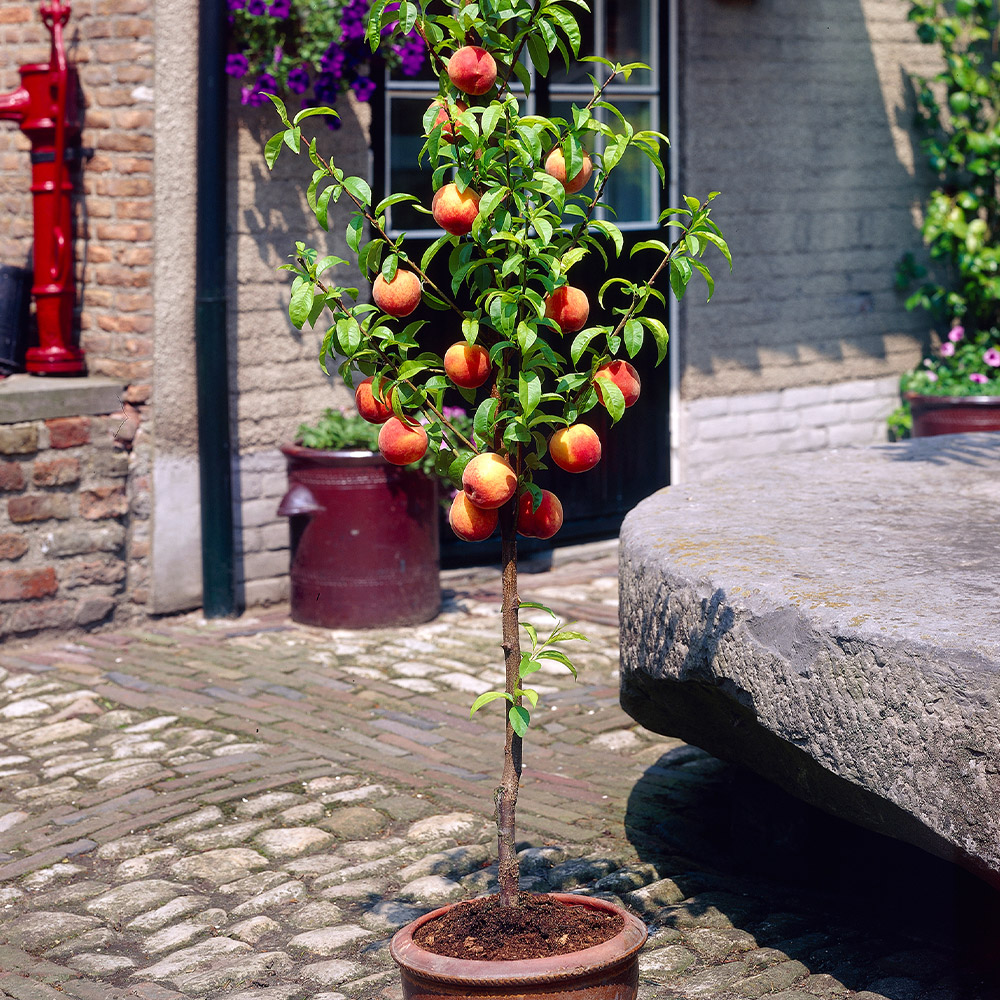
576 448
469 522
555 165
398 297
541 523
472 70
489 481
467 365
623 375
370 406
402 443
455 211
445 120
569 307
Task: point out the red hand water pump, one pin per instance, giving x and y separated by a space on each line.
45 107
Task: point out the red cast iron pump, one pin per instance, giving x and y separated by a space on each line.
45 106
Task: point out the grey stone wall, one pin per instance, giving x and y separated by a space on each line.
800 115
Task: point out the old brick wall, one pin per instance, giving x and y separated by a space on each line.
70 554
75 490
800 114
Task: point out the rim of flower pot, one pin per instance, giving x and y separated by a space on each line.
339 456
928 400
442 968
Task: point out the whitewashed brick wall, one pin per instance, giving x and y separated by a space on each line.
719 429
264 554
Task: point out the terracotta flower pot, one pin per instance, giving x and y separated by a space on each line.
933 415
608 971
364 540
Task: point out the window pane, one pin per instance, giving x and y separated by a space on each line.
630 189
578 70
631 36
406 138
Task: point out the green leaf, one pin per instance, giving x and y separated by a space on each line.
279 105
482 423
358 187
292 137
537 606
559 656
355 230
633 335
272 148
582 340
538 53
485 699
612 398
301 302
529 391
491 116
393 199
432 250
660 335
323 204
565 635
530 694
309 112
611 231
519 719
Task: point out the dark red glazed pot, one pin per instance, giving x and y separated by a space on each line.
364 540
608 971
933 415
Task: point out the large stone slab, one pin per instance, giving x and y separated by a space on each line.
832 621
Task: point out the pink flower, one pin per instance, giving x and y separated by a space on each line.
931 377
956 333
978 377
947 349
992 357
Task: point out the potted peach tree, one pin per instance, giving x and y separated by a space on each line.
515 198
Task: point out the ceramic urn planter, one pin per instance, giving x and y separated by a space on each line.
933 415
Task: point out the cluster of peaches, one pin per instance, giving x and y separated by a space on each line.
489 481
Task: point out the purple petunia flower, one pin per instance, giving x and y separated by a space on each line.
257 8
298 80
947 349
956 333
235 4
978 377
266 84
363 88
992 357
237 64
251 97
280 8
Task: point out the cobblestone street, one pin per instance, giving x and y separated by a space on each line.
249 808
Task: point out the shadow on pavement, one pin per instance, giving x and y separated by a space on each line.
853 904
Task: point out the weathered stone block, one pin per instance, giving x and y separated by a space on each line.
39 507
75 541
824 619
27 584
18 440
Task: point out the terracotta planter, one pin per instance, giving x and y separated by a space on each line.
364 540
608 971
933 415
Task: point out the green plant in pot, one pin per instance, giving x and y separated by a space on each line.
349 507
533 353
957 387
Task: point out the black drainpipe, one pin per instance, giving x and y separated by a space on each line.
214 432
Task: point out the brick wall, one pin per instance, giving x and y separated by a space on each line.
73 513
717 430
111 44
799 113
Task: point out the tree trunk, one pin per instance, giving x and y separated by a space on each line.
505 795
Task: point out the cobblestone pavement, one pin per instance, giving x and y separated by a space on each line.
249 808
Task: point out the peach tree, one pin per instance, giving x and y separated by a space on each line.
515 198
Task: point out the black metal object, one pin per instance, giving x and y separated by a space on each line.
215 449
15 298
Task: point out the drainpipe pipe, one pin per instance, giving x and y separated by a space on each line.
214 432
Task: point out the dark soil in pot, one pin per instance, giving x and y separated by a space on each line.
538 927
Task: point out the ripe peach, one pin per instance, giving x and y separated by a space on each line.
398 297
472 70
489 481
446 123
576 448
541 523
469 522
369 406
623 375
402 443
455 211
467 365
569 307
555 164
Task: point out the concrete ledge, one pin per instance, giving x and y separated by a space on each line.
830 621
31 397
